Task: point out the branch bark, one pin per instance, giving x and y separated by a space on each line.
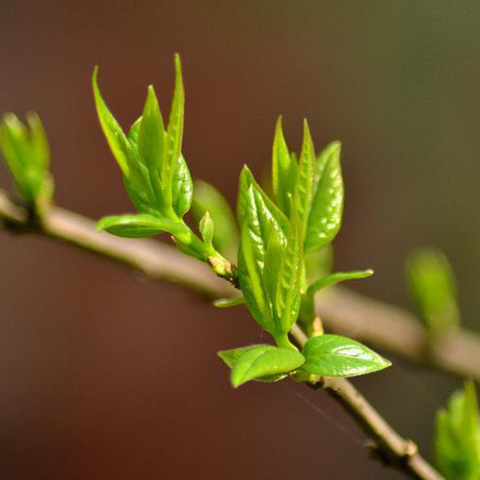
380 325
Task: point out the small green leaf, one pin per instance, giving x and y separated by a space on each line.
257 361
305 178
327 206
337 356
140 226
457 436
182 187
432 284
207 229
284 171
335 278
229 302
208 198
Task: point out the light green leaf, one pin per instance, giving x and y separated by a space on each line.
207 229
259 361
284 171
229 302
335 278
305 178
140 226
208 198
337 356
327 206
457 436
182 187
432 284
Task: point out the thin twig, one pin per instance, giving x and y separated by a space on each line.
160 262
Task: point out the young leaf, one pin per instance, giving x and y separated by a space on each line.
257 361
140 226
432 284
335 278
229 302
457 436
182 187
284 171
208 198
337 356
207 228
327 206
305 178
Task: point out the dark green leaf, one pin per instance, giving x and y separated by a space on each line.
327 206
208 198
257 361
284 171
182 187
139 226
337 356
335 278
432 284
457 436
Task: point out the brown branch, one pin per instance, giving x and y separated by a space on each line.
160 262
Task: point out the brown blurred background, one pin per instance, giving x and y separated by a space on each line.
105 376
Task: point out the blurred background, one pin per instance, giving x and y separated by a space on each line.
106 376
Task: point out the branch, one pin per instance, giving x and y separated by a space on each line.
160 262
380 325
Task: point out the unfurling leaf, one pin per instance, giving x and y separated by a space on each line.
335 278
337 356
182 187
260 362
457 436
327 205
432 283
26 151
208 199
207 229
229 302
140 226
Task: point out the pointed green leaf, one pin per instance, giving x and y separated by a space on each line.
335 278
327 206
140 226
432 284
113 132
284 171
182 187
40 151
337 356
208 198
206 228
457 436
257 361
305 178
229 302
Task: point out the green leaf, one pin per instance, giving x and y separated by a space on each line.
207 229
337 356
305 178
457 436
335 278
116 139
229 302
327 206
432 284
175 120
259 361
246 181
151 148
208 198
284 171
140 226
182 187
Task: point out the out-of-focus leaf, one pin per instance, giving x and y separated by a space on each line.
208 198
335 278
457 436
284 171
140 226
327 206
432 283
337 356
260 361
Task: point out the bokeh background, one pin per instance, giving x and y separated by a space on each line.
106 376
